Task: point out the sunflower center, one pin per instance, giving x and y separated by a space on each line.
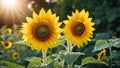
42 31
77 28
16 55
6 44
101 56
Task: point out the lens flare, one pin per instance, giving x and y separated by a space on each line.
11 3
12 11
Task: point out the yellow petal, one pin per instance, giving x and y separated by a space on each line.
65 21
49 12
35 16
87 14
77 12
29 19
42 12
69 17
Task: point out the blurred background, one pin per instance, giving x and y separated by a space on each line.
105 13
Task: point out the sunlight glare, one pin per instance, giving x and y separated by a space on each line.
10 3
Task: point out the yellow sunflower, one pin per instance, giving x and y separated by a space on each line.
43 31
8 45
1 42
9 30
79 28
101 55
15 55
17 32
113 37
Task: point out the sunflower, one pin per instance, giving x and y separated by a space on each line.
1 42
42 31
101 55
17 32
78 29
113 37
8 45
15 55
9 30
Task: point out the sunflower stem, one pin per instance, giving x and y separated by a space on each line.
62 65
44 56
69 49
110 57
4 51
69 65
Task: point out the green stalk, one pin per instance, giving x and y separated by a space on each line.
69 49
110 57
69 65
44 56
62 65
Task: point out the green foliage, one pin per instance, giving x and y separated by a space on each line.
61 41
50 64
52 57
53 61
101 44
35 61
22 42
116 55
71 57
112 14
88 60
115 58
115 42
99 36
6 64
89 51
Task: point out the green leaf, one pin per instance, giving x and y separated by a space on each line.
112 14
101 44
88 60
61 41
34 62
116 55
88 51
99 36
118 28
71 57
20 42
76 66
48 65
52 57
116 43
97 21
6 64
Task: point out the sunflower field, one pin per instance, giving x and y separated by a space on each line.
59 34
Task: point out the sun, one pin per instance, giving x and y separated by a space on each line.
79 28
11 3
12 11
42 31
